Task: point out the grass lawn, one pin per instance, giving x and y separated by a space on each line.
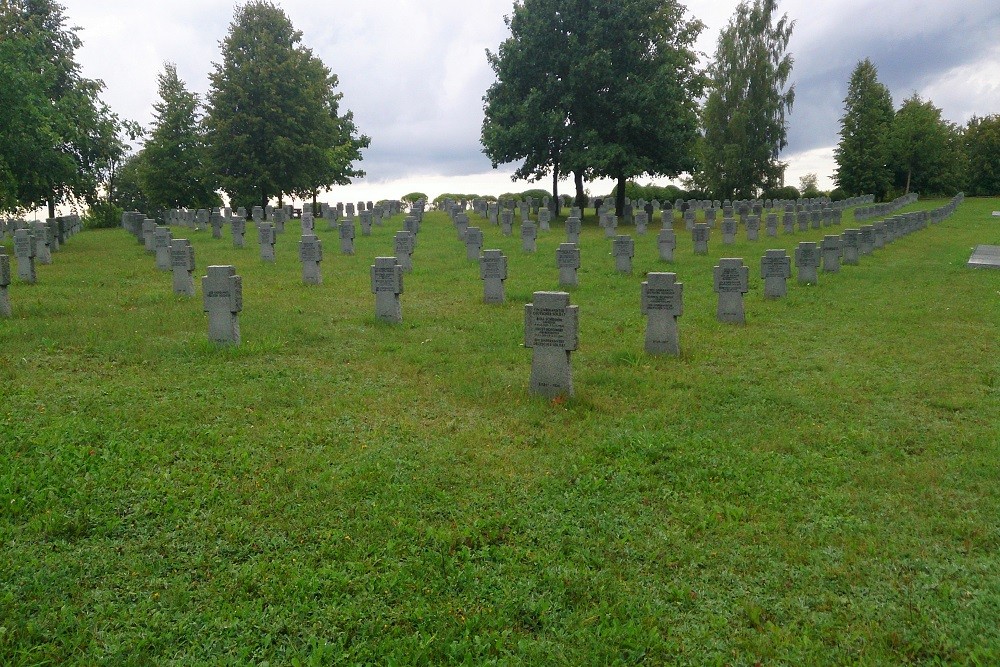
819 486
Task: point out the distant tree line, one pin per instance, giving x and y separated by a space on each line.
612 90
271 125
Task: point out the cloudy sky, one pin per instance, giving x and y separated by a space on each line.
414 71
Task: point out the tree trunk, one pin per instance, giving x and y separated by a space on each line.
581 198
555 186
52 207
315 194
620 196
909 172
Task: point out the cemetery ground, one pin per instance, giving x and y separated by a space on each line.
819 486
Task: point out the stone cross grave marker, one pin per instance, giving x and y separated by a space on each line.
807 260
731 281
461 226
700 235
308 222
473 243
551 331
216 221
771 225
623 249
347 237
365 220
24 252
507 222
573 228
311 254
878 234
493 272
387 285
831 247
43 255
641 223
266 235
222 293
753 227
666 242
802 217
866 239
148 228
403 244
728 231
182 265
568 262
238 225
851 244
662 302
544 218
161 246
528 235
788 222
775 269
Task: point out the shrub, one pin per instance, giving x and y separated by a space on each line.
103 215
787 192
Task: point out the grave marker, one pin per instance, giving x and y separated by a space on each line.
387 285
831 248
662 301
807 259
551 328
568 262
493 272
473 243
311 254
182 265
24 252
238 224
623 249
266 236
851 245
700 235
404 243
347 237
222 293
731 281
528 234
666 242
775 269
161 246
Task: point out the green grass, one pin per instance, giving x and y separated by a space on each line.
818 486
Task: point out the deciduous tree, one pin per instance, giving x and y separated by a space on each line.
744 115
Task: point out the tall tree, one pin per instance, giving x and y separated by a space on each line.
272 120
862 154
71 135
925 150
525 118
174 171
594 88
744 115
982 148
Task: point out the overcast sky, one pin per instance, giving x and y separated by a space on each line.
414 71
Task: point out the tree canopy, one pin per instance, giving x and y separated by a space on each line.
602 88
925 150
58 141
982 147
273 120
862 153
744 116
174 171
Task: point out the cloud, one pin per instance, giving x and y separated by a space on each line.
414 72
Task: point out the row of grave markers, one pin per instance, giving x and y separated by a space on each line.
34 242
551 323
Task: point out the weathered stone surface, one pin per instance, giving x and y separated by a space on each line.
387 285
551 328
775 269
807 259
731 280
493 273
222 294
662 302
985 257
568 262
